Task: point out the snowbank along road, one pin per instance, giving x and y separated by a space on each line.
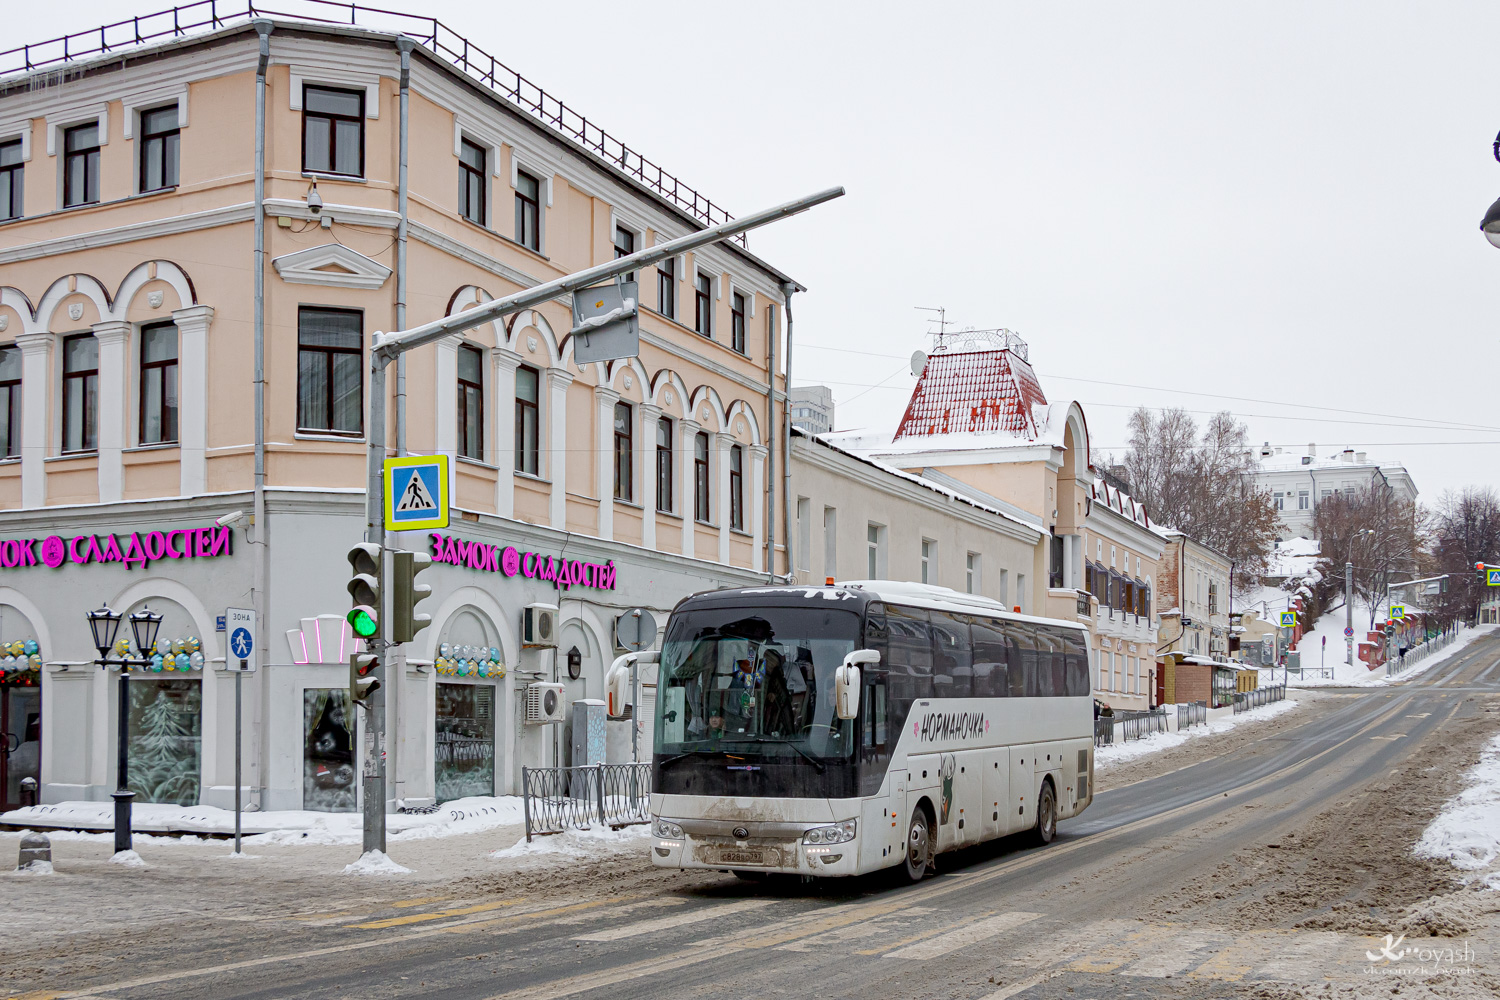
1265 866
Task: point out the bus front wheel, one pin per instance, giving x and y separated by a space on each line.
918 846
1046 815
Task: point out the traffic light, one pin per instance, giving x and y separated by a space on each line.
364 587
362 680
406 592
1483 578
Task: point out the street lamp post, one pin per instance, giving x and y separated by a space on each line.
105 625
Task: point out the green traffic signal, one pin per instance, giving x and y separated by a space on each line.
362 620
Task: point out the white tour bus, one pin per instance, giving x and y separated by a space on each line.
842 729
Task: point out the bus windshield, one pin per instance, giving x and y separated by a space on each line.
758 681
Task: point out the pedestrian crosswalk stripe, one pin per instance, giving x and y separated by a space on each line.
963 936
675 920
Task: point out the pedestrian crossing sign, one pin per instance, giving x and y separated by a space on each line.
1288 619
1492 576
416 493
1398 612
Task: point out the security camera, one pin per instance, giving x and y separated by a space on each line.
314 201
229 518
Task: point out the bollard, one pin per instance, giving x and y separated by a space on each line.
28 790
34 847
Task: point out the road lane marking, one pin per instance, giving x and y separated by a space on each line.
417 918
676 920
1393 736
420 902
1025 984
469 926
969 933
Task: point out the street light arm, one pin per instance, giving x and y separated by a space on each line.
388 346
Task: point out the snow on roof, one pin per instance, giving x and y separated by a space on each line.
1125 505
974 392
1293 461
1295 557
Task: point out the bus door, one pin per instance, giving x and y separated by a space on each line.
883 787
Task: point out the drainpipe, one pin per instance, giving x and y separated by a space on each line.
261 558
787 288
404 45
770 562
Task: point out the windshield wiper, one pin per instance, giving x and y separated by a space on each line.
815 762
687 753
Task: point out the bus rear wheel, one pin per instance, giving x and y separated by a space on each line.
918 846
1046 815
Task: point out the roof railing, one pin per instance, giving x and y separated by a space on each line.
445 43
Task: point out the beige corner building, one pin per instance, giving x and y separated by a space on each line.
406 177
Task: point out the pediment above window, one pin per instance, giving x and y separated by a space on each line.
331 264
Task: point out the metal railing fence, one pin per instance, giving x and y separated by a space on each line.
563 798
1416 654
1133 725
1192 713
1244 701
440 40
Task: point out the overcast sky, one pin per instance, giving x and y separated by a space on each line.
1278 202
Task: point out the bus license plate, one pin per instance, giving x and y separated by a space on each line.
742 857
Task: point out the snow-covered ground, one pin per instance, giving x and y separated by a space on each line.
592 842
1466 832
1331 626
469 815
1157 742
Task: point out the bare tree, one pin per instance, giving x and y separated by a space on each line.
1464 530
1377 532
1201 486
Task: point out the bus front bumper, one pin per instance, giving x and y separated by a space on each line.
755 855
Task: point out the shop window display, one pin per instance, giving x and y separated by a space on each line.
464 751
166 736
328 778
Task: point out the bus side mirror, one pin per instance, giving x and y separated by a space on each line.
846 681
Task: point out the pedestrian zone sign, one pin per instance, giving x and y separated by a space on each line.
416 493
1288 619
1398 612
1492 576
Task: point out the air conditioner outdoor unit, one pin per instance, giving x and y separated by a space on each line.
539 625
544 703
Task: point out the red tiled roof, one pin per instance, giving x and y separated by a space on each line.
973 392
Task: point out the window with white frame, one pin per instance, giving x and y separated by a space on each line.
875 535
972 582
804 533
81 165
1021 592
929 561
159 143
830 542
1005 587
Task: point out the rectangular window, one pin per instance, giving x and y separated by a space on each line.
1303 500
875 546
972 582
333 131
830 542
471 181
929 559
158 383
700 476
528 211
1021 592
471 402
330 377
1005 587
528 427
166 739
624 246
1103 671
737 322
10 402
1279 501
12 172
737 487
664 464
703 316
804 534
81 165
624 452
328 727
80 393
159 141
666 287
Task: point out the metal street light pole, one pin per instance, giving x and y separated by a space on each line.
388 347
105 624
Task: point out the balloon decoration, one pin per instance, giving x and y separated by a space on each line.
469 661
181 655
20 660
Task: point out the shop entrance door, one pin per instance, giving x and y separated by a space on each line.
20 741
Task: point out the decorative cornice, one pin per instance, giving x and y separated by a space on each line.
209 219
309 267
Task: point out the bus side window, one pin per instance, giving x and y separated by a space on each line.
1077 654
991 659
876 717
1023 674
952 657
1051 662
911 653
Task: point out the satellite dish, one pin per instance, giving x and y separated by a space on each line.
918 362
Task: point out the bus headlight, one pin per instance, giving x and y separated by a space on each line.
668 831
839 833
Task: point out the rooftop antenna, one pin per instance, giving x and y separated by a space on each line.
942 322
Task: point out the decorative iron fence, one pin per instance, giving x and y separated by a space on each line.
562 798
440 40
1244 701
1192 713
1131 726
1421 651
